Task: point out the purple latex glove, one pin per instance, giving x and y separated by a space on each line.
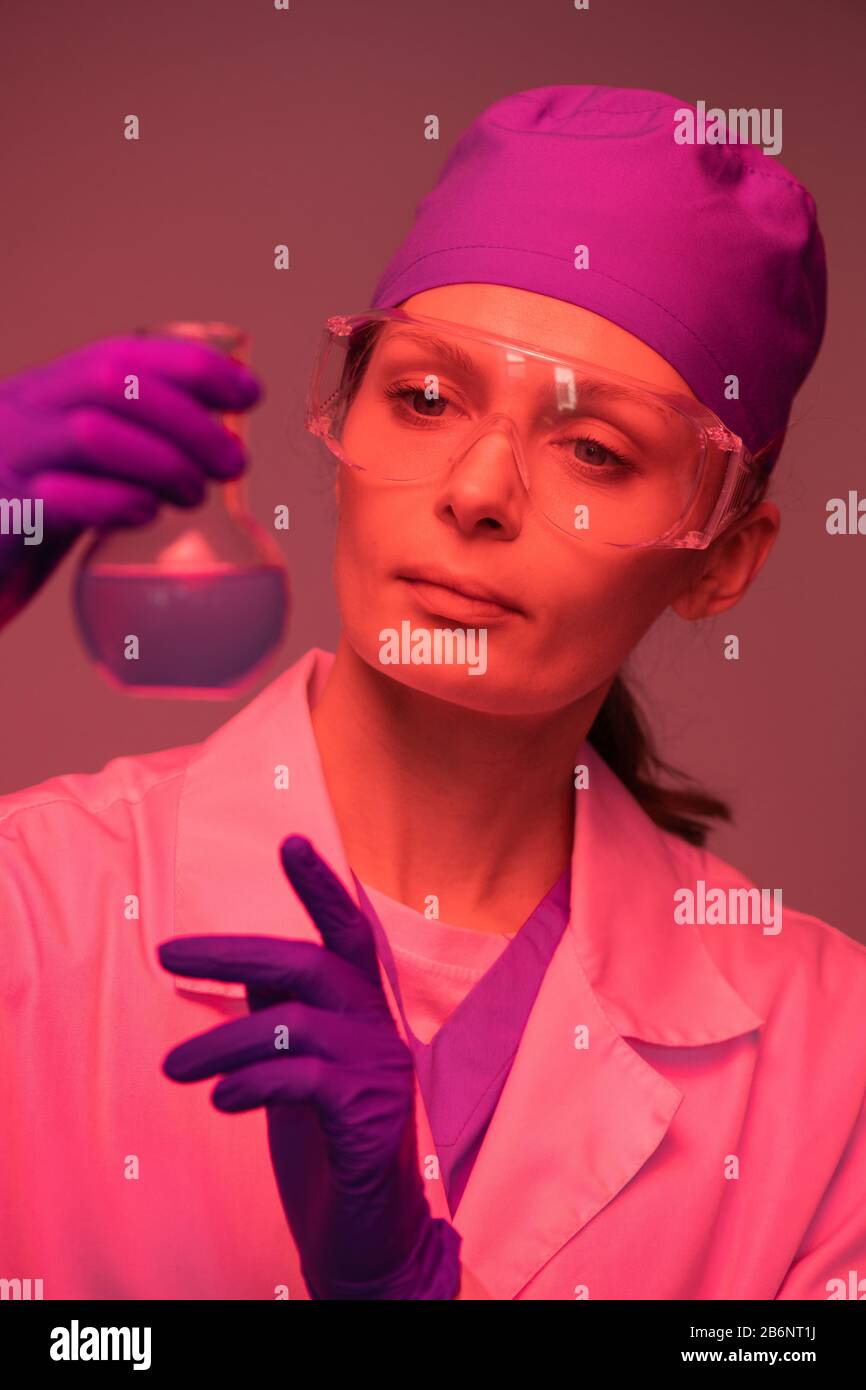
71 439
340 1099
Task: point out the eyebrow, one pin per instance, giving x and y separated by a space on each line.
450 352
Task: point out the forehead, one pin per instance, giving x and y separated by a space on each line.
551 324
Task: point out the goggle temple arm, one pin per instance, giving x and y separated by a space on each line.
742 478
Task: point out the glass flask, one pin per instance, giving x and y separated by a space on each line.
194 603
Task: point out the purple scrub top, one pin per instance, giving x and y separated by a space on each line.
463 1068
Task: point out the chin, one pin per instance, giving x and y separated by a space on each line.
469 667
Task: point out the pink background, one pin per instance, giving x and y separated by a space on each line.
306 127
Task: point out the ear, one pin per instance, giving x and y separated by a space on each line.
732 562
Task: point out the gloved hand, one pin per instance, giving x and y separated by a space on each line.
69 437
340 1099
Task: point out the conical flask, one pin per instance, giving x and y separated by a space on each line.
193 604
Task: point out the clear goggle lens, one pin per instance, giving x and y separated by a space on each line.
405 398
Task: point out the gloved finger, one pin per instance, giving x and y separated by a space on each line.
75 501
161 409
96 442
287 1082
284 967
282 1030
212 377
344 928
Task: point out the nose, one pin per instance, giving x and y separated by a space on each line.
484 485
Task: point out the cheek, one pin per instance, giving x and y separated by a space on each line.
622 594
593 615
361 552
606 589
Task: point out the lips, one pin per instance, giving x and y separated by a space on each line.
454 596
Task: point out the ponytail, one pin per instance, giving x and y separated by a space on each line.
621 736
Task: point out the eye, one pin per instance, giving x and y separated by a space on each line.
416 403
595 455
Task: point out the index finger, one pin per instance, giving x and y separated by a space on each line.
216 380
344 928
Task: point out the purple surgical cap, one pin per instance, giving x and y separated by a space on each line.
710 253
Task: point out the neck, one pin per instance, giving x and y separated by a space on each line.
433 798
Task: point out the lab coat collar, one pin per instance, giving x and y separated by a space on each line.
259 778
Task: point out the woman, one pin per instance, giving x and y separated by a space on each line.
516 1034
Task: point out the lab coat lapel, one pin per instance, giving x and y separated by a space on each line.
256 780
580 1114
582 1111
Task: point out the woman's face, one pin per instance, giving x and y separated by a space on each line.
576 609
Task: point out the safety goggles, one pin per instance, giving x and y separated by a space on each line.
603 456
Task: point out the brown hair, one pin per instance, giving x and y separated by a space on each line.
619 732
621 736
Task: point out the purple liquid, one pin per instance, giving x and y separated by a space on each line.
197 633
